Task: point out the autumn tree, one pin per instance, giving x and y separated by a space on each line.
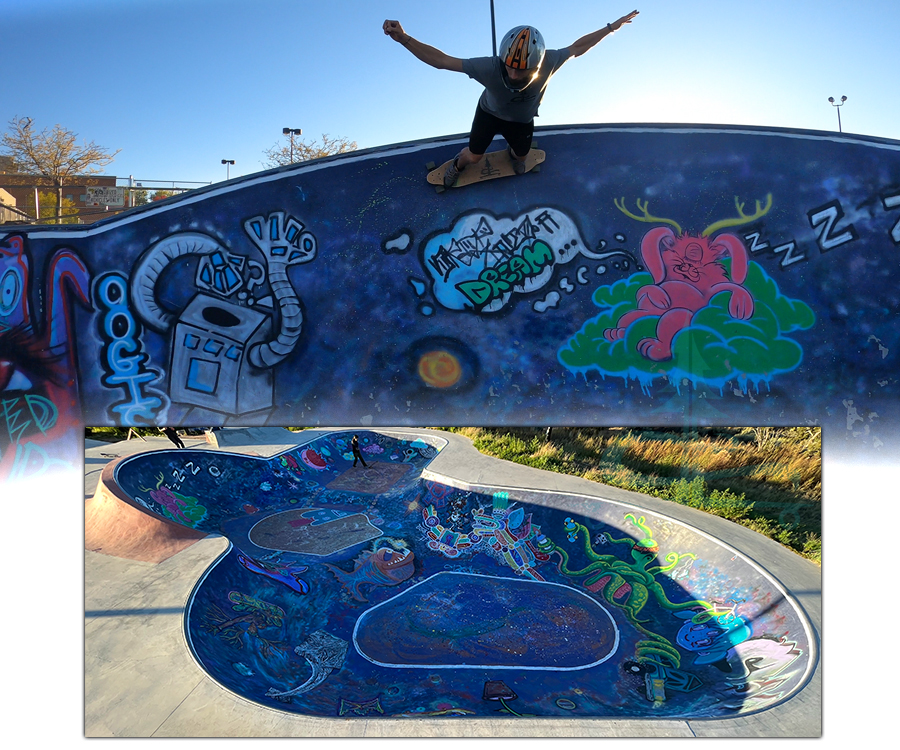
137 197
292 152
53 154
66 213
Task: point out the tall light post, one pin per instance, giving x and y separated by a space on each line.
841 104
227 163
494 33
292 132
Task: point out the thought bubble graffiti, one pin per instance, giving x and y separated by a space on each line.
483 260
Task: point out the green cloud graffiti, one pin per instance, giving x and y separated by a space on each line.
714 349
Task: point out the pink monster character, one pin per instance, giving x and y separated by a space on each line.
687 273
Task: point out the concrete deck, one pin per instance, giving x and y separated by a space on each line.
141 681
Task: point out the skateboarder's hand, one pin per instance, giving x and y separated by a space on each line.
395 31
616 25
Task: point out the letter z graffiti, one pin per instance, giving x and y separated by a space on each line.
889 202
824 220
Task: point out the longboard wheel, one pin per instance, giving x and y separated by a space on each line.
536 168
439 188
431 165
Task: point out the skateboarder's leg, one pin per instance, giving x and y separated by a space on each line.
518 135
484 128
466 157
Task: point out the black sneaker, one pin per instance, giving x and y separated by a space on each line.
518 166
452 173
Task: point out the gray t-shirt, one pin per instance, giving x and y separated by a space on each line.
498 100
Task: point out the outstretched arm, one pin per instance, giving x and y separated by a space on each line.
589 40
427 54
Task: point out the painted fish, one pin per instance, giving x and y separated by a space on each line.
288 577
711 640
383 567
313 459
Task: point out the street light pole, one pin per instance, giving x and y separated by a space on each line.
227 163
493 30
838 106
292 132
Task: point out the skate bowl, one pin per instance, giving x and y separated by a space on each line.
388 590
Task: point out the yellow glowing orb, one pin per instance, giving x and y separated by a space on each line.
439 369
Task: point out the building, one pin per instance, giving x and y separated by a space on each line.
8 214
22 187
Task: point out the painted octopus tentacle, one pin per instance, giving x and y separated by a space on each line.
677 559
659 648
664 602
585 535
563 565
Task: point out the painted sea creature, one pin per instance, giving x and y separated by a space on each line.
384 566
243 669
761 667
251 616
313 459
288 576
629 585
324 653
710 636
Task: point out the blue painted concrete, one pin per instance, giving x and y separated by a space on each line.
390 591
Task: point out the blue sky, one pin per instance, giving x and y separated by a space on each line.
179 85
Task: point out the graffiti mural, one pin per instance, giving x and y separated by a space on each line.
40 406
430 599
741 317
343 291
224 343
483 260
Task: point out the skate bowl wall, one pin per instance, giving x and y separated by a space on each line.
392 591
116 526
647 275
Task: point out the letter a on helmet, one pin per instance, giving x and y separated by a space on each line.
522 48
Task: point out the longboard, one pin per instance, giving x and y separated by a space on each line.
492 165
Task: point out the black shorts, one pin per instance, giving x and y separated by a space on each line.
485 126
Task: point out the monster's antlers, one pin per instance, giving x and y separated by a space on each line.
646 217
742 217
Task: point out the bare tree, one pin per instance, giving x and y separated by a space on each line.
53 154
296 150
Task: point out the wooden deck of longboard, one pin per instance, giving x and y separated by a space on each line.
492 165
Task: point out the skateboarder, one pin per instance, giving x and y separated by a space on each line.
170 433
514 83
357 456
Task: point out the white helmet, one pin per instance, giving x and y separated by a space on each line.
522 48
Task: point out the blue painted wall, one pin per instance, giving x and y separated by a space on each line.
648 275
